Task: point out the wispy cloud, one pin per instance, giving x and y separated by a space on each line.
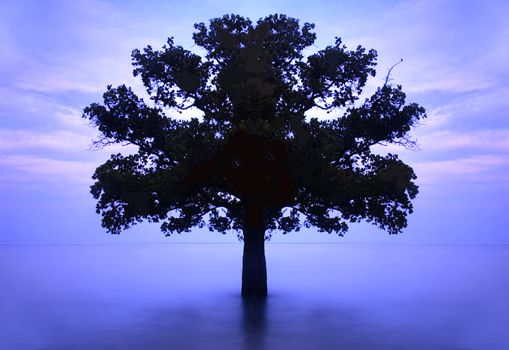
486 169
21 169
82 46
447 46
27 140
493 103
32 110
474 141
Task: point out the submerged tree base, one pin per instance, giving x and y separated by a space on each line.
255 297
254 270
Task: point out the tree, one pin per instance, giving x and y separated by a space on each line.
254 162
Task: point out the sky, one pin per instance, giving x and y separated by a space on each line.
57 57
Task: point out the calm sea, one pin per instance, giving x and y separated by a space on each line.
186 296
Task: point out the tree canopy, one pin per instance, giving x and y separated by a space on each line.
256 155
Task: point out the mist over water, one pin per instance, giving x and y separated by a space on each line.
177 296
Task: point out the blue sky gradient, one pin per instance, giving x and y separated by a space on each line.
58 56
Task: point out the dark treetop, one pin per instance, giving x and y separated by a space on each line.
254 159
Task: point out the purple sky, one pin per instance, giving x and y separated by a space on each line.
58 56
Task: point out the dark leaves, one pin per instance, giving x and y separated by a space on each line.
255 143
336 76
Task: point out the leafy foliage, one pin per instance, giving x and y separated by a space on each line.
255 147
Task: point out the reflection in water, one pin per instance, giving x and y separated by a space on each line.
330 298
254 312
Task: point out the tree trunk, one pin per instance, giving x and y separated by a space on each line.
254 270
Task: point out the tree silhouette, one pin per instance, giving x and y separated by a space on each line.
254 162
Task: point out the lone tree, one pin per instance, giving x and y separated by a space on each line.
254 162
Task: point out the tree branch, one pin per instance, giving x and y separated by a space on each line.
387 77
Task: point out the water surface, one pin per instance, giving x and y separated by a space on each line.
178 296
